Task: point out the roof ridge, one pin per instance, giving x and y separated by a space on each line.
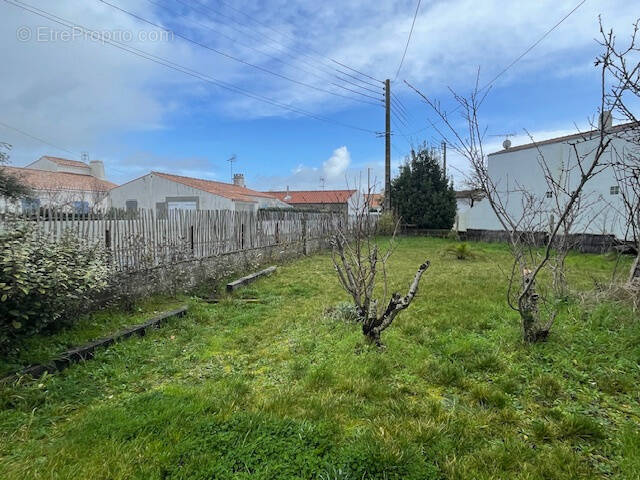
547 141
49 171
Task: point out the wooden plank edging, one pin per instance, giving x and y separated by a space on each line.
249 278
87 351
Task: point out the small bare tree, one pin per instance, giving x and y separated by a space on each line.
623 65
523 225
359 264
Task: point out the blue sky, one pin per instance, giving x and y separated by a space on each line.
136 115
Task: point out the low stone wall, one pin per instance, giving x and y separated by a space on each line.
188 274
584 243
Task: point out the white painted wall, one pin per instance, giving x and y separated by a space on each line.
49 166
463 207
520 169
64 200
152 189
356 202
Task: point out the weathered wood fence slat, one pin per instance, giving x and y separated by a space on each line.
143 239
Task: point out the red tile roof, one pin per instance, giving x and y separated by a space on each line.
574 136
374 199
45 180
314 196
66 162
227 190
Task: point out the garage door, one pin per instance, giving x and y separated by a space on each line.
181 205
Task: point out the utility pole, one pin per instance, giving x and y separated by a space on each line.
444 159
387 145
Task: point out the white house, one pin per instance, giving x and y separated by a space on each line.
70 185
518 168
162 192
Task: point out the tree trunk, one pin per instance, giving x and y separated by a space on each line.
532 329
634 275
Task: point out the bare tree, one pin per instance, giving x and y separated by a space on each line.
523 225
359 264
623 66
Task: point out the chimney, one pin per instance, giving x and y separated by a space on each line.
238 179
97 169
287 197
606 120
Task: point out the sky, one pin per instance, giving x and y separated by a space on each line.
273 82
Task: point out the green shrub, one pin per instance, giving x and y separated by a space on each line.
386 224
343 312
44 282
462 251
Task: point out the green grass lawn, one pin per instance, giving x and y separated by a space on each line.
277 391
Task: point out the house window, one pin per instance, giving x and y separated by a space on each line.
131 205
549 194
615 190
30 205
81 207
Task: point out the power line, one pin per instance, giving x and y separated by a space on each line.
169 64
406 47
262 52
398 114
26 134
517 59
534 45
232 57
399 102
397 117
57 147
332 60
395 105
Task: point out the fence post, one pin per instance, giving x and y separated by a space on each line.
304 234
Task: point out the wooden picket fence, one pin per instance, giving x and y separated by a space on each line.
142 240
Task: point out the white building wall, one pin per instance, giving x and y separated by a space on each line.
463 208
356 202
49 166
151 189
520 169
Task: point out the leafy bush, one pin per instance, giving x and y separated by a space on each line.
462 251
386 224
344 312
44 282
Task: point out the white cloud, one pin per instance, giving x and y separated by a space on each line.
337 164
81 94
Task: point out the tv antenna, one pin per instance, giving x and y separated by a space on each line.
507 143
322 180
233 158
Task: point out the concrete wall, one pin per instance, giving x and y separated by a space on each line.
520 169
